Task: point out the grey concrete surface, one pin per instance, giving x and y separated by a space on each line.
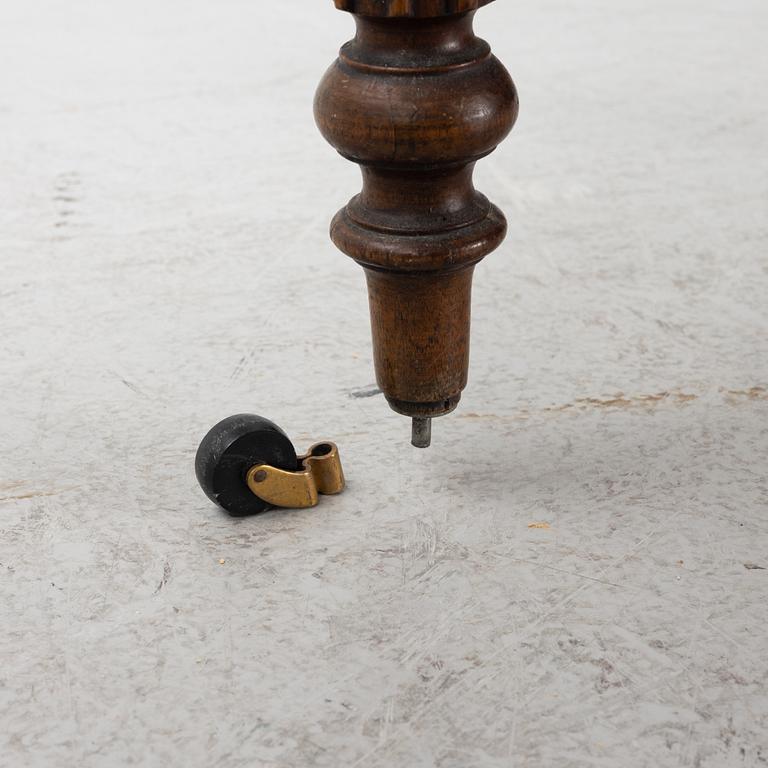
573 575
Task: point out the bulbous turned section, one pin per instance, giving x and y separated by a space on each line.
411 92
416 99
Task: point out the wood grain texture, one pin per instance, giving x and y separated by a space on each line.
416 102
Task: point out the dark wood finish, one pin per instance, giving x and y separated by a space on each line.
409 8
416 99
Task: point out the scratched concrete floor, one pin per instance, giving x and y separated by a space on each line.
574 575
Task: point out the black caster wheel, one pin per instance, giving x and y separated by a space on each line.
230 450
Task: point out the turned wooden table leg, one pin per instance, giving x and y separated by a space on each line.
416 98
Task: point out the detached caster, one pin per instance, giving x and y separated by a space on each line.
246 465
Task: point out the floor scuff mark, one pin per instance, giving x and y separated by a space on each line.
362 392
624 402
165 578
38 494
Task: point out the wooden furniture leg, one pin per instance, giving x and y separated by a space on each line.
416 98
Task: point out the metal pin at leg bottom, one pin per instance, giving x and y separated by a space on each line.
421 432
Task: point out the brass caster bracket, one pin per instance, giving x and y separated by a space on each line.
320 472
